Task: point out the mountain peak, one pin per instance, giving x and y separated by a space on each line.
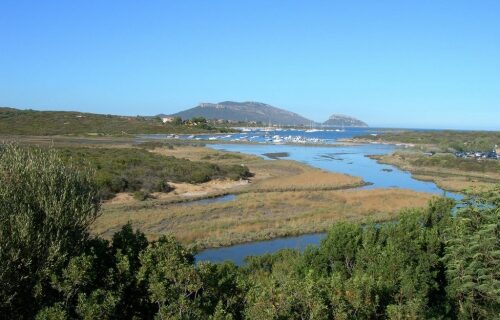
244 111
253 111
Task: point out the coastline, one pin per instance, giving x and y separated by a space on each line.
452 180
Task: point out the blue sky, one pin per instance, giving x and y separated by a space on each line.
425 64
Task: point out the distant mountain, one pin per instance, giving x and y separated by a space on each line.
244 111
338 120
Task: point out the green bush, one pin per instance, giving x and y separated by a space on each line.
46 208
141 195
449 161
132 169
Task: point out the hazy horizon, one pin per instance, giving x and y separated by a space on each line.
412 64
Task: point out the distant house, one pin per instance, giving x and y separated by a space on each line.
167 119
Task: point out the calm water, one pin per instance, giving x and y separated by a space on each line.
239 252
225 198
350 160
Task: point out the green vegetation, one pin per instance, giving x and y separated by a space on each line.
30 122
449 161
138 170
428 264
452 162
46 208
443 139
151 145
447 171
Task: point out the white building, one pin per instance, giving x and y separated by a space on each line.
167 119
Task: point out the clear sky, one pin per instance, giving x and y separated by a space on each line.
411 63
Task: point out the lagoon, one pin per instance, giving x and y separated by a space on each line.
347 159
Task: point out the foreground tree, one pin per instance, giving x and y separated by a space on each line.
473 261
46 208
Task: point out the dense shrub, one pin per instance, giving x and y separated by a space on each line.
46 208
446 140
449 161
31 122
140 195
132 169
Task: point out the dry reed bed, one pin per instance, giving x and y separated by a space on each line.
258 216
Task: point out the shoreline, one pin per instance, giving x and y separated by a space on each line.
157 203
244 220
445 180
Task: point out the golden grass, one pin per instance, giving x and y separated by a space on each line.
457 183
309 178
257 216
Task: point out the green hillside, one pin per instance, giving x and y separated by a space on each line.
444 139
31 122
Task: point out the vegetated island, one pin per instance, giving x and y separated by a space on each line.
338 120
455 160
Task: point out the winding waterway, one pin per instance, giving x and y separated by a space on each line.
347 159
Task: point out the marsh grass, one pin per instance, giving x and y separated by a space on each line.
258 216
